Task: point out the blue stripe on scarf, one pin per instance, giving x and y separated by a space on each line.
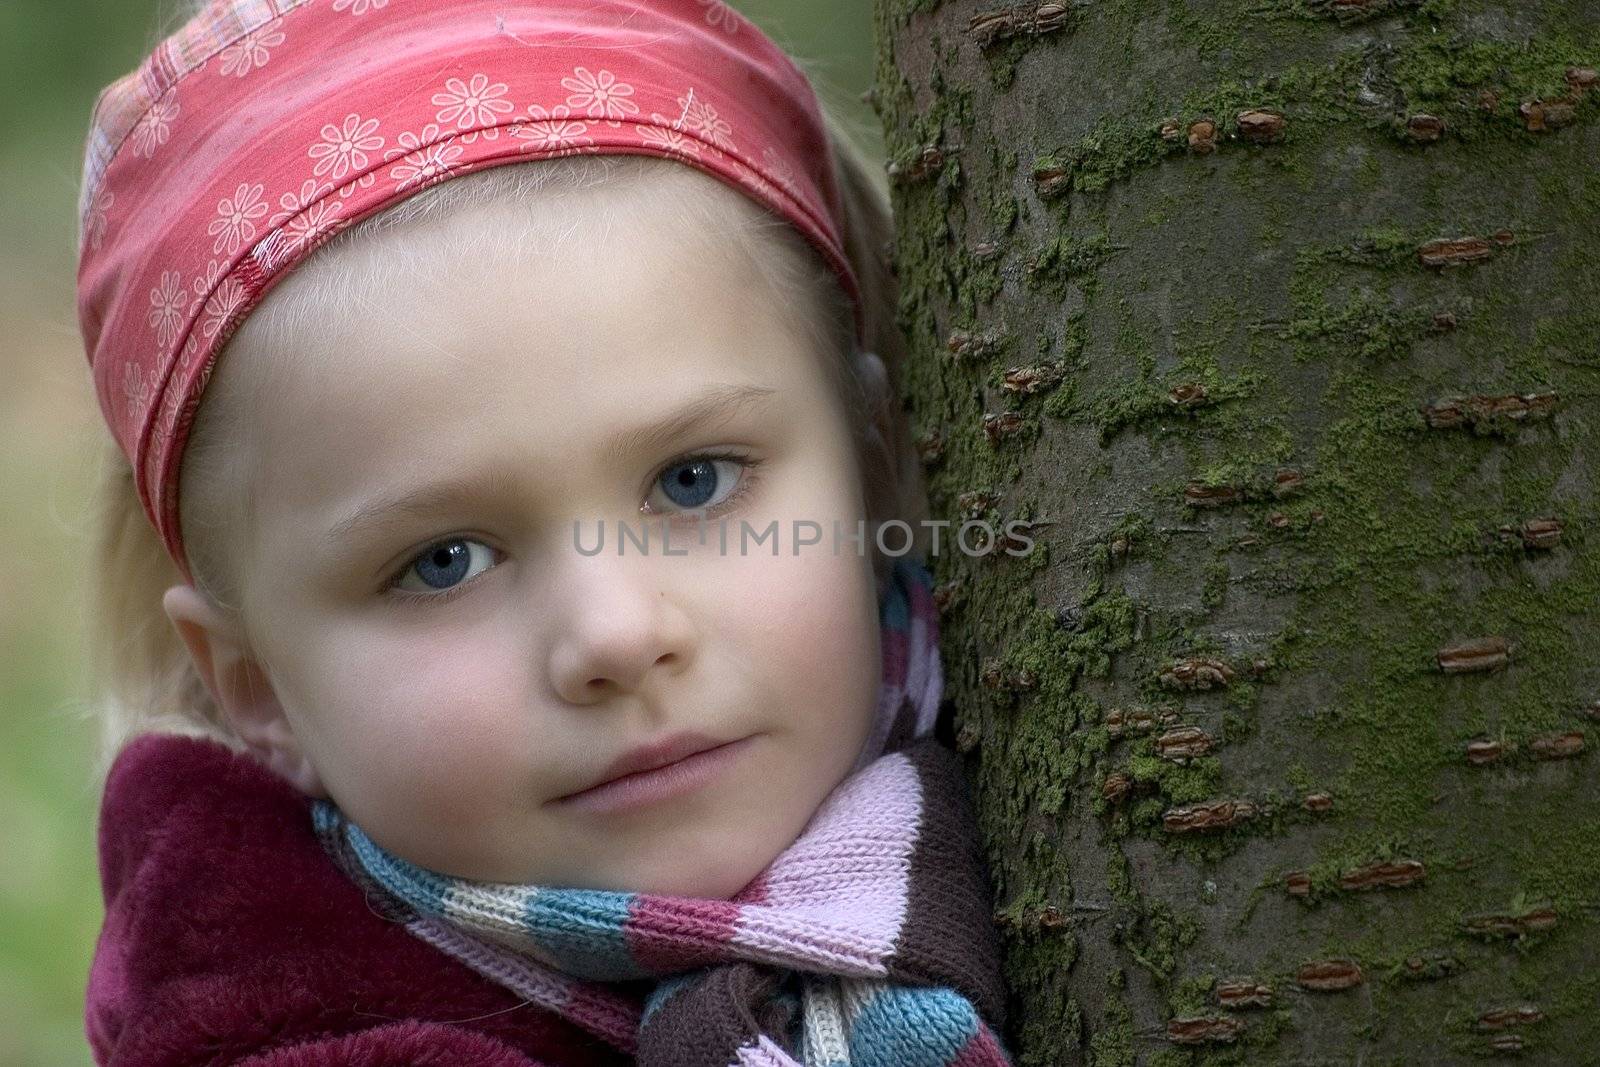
903 1026
582 930
422 888
894 610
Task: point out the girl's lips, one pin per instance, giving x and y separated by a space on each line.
662 783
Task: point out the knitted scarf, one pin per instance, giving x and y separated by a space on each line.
867 942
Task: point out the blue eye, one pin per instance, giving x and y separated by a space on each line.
444 566
699 482
709 482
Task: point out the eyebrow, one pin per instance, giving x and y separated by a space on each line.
713 406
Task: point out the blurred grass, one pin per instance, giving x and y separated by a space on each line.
59 53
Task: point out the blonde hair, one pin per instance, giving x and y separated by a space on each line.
145 680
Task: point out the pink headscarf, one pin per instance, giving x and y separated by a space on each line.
262 127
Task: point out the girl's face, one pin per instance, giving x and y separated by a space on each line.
443 656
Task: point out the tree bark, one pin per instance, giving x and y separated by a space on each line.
1280 320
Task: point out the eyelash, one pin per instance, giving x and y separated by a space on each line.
745 484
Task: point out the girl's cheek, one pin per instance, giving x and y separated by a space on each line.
436 722
810 617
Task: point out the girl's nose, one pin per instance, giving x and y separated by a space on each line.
620 632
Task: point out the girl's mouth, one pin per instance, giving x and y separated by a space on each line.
662 783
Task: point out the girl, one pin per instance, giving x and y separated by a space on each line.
406 770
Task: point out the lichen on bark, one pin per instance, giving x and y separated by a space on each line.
1313 285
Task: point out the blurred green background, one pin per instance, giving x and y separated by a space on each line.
58 54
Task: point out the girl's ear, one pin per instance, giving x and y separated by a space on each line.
879 431
878 460
240 686
874 379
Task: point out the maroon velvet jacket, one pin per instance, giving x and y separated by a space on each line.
231 937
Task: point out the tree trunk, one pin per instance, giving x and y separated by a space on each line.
1280 320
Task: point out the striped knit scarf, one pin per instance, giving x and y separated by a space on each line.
867 943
